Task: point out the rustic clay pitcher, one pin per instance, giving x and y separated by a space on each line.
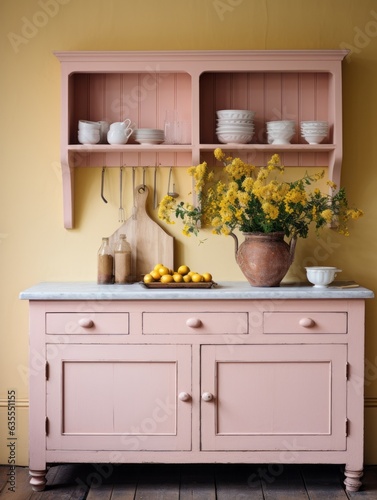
264 258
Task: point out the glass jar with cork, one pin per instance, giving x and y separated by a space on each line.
105 268
122 261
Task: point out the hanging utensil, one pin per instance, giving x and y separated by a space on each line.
173 194
121 209
103 183
133 193
155 188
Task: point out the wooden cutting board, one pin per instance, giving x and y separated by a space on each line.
150 244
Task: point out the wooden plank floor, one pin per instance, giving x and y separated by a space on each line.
194 482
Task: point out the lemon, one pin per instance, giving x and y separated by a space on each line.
191 273
148 278
187 278
197 278
166 278
207 277
163 270
183 270
157 266
155 275
178 278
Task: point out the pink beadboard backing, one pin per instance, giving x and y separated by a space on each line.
112 86
273 96
144 98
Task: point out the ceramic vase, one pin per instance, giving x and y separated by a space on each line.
264 258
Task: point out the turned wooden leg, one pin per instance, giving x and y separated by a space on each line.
38 479
352 480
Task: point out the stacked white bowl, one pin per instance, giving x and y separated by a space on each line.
314 131
89 132
149 135
280 131
235 126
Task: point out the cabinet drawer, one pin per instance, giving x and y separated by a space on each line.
81 323
194 322
305 322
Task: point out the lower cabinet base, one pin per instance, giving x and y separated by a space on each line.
352 480
193 381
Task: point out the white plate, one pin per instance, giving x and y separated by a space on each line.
146 142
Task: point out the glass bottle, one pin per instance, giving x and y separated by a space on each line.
105 263
122 260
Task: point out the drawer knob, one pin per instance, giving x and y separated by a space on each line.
86 323
194 322
207 396
306 322
184 396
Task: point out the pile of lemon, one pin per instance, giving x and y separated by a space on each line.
183 274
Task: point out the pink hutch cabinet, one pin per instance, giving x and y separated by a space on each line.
142 86
125 374
233 374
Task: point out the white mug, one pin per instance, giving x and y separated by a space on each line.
121 125
118 136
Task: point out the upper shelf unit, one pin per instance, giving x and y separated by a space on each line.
142 86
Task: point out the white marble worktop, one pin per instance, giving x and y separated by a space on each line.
227 290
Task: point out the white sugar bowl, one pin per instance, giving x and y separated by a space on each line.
321 276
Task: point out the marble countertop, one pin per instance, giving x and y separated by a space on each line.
227 290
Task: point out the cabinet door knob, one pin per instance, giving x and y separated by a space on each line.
207 396
184 396
86 322
306 322
194 322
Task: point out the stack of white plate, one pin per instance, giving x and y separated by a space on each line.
235 126
315 131
280 131
149 135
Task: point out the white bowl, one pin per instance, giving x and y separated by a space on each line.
234 138
313 138
314 132
90 136
88 125
321 276
314 123
281 124
280 137
234 121
234 129
233 114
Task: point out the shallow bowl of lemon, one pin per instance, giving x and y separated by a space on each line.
162 277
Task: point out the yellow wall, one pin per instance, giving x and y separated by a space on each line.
35 247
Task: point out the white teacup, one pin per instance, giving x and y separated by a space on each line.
126 124
118 135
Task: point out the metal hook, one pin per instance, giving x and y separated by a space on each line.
155 188
102 184
121 209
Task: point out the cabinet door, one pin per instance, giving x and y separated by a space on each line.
266 397
119 397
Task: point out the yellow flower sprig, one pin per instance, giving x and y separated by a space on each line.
252 199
